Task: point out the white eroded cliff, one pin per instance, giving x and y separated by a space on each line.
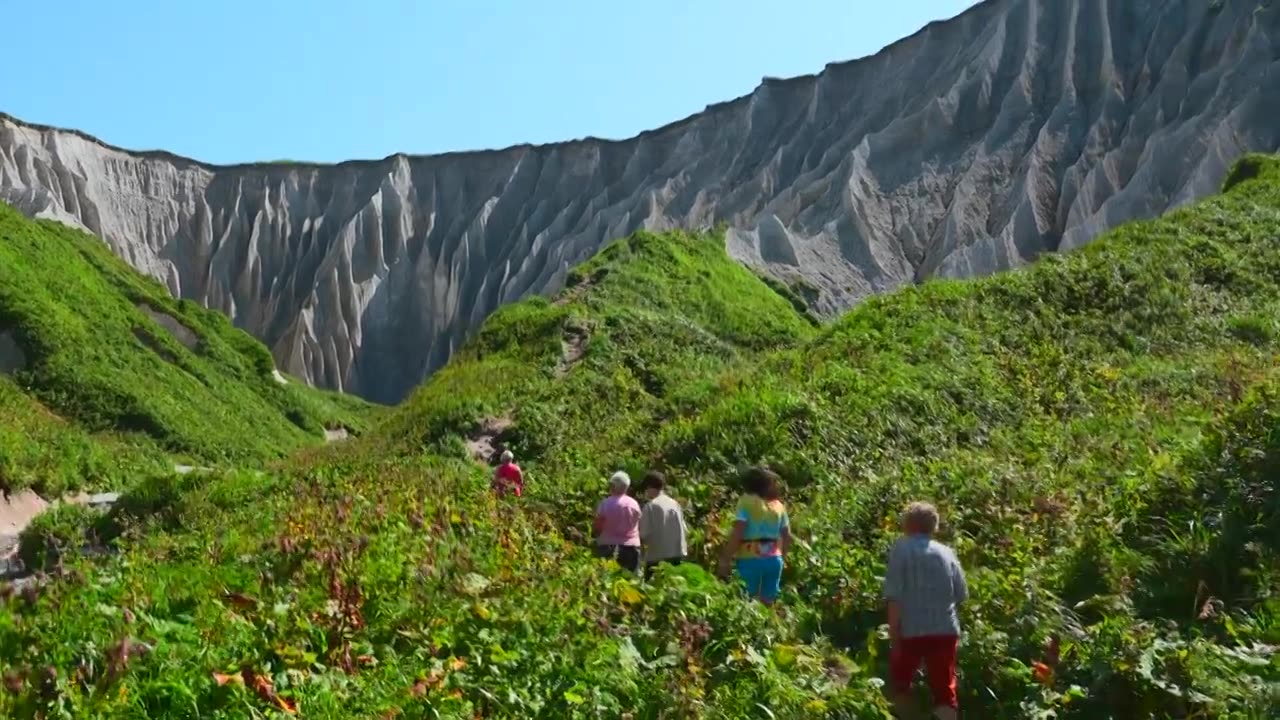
1020 127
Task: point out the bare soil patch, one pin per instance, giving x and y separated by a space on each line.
180 332
572 348
573 292
486 442
17 510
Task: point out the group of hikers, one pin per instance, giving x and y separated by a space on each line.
923 586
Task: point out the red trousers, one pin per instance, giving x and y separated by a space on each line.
938 653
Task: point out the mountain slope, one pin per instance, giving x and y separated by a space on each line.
1020 127
1100 431
86 338
40 450
650 315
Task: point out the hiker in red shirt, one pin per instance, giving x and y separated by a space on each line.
508 478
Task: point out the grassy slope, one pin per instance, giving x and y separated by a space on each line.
131 391
40 449
664 318
1100 431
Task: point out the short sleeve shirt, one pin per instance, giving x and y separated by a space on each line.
926 580
620 516
509 478
765 522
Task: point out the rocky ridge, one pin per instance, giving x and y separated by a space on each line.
1018 128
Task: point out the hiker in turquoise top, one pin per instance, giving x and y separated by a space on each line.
761 536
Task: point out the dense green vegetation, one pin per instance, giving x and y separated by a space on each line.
38 448
1101 432
103 391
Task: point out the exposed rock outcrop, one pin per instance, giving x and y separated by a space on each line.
1020 127
12 358
485 442
180 332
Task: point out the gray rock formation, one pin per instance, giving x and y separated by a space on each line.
1020 127
172 325
12 358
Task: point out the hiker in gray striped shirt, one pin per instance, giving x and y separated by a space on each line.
923 585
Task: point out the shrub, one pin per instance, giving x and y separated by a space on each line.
56 533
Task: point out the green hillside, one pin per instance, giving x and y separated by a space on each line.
1101 432
105 375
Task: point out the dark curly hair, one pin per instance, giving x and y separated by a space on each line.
653 480
762 482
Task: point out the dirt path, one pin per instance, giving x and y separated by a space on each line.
572 348
19 509
577 291
483 443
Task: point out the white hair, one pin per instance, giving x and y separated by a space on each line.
507 456
619 482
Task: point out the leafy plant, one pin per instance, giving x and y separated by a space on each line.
61 531
1099 431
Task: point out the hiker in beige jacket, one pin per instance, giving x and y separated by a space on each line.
662 528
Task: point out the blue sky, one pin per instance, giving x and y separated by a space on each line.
327 80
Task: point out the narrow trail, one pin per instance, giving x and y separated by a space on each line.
572 348
483 444
188 469
577 291
574 338
18 510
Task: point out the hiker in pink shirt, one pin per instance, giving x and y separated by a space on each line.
618 524
508 478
